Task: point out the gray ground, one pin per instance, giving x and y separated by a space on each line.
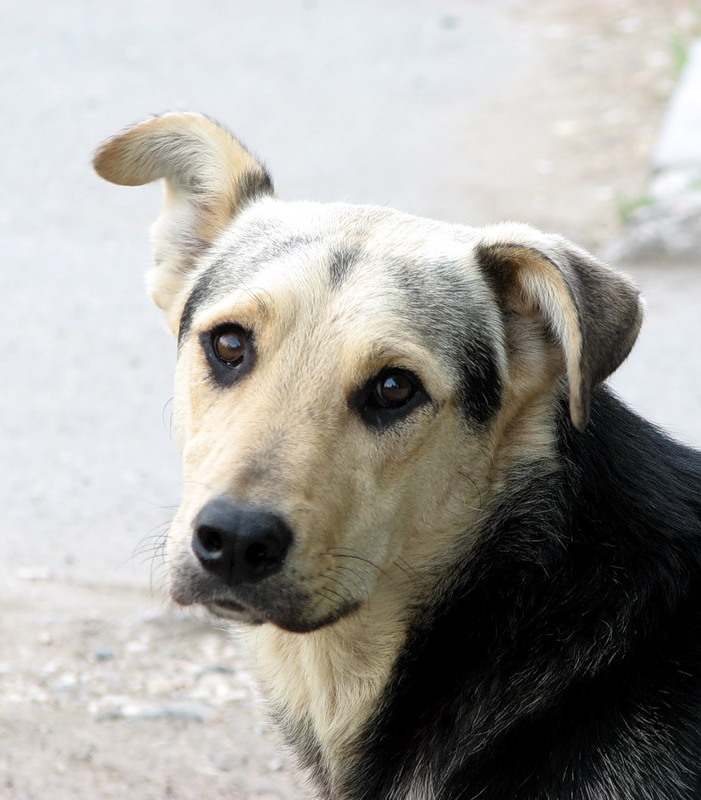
545 112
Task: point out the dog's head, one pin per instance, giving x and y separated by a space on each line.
353 384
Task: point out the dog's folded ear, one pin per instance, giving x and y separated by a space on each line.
209 175
590 310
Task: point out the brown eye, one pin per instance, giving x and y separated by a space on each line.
393 389
229 346
389 397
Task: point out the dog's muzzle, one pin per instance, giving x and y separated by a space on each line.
237 570
238 544
241 570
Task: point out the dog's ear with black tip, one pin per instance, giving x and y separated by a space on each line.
591 311
209 176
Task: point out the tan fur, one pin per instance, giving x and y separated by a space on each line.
274 427
202 166
535 281
374 517
401 510
340 671
545 289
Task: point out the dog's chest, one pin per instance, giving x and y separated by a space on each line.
323 686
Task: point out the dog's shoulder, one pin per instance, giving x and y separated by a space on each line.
564 648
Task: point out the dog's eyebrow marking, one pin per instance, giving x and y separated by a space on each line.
232 269
480 392
243 298
446 311
203 287
341 263
279 248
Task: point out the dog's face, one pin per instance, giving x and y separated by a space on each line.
338 368
352 383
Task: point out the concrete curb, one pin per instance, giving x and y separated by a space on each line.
667 226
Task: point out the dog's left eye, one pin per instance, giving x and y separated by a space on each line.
393 389
388 397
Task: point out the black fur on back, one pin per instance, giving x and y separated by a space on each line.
563 660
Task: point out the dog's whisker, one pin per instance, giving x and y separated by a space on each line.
149 543
156 535
168 406
475 486
203 484
346 568
331 575
404 565
153 552
329 594
358 582
348 553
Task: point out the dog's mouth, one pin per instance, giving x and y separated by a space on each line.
230 609
292 620
277 600
227 606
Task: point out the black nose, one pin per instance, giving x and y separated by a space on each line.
238 543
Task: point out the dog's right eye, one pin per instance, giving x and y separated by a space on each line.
229 346
230 352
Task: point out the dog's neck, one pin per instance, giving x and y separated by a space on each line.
327 683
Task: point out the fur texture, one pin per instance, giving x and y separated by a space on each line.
464 568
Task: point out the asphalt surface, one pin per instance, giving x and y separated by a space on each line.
391 103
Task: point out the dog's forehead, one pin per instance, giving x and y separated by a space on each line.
270 216
425 269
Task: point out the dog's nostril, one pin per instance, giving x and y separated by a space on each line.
256 554
239 544
210 539
262 557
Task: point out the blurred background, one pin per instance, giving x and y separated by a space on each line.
472 111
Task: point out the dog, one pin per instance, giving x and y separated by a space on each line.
463 567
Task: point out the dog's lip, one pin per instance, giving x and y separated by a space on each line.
284 608
229 609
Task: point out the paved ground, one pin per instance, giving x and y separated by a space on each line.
539 111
